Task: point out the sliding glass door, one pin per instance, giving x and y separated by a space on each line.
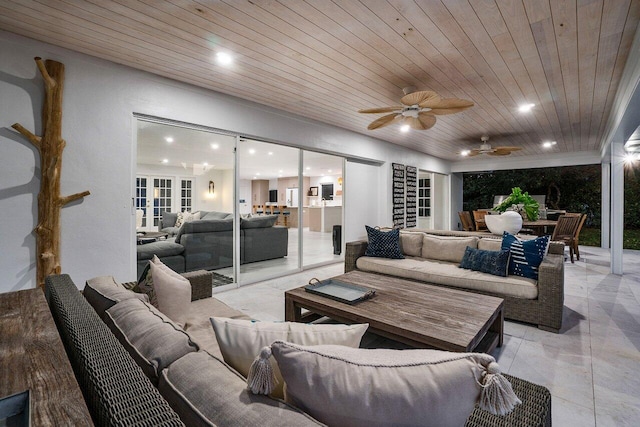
268 203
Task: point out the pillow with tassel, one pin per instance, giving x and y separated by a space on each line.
360 387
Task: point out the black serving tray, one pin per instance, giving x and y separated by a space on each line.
339 291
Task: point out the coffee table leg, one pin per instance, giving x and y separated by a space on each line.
292 312
498 327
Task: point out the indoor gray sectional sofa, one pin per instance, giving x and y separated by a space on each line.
207 243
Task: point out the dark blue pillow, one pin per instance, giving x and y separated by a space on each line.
383 244
492 262
526 255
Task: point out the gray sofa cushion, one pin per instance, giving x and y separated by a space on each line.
204 226
205 391
152 339
169 219
103 292
263 221
215 215
163 248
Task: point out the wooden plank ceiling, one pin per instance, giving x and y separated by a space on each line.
327 59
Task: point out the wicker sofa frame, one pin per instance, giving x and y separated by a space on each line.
118 393
544 311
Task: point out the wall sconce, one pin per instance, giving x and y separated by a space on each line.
340 181
211 187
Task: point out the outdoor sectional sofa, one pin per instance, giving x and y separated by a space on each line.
184 380
436 257
207 243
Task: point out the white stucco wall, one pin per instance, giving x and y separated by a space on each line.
99 102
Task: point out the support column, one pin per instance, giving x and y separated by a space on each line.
617 205
605 206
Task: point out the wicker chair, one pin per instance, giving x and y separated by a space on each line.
466 221
478 217
565 231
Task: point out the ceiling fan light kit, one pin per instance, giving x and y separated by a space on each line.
485 148
418 110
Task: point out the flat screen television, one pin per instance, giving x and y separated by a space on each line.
273 196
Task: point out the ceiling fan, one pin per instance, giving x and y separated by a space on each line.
485 148
418 109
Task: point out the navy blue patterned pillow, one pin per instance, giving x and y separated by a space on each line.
492 262
383 244
526 255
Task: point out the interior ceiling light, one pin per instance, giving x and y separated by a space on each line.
165 160
215 146
464 152
169 139
252 151
308 168
224 58
549 144
525 108
270 153
405 128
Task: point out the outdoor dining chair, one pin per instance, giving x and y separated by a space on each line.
565 231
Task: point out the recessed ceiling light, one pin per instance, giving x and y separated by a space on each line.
252 151
464 152
205 164
258 173
405 128
525 108
280 171
549 144
169 139
270 153
215 146
223 58
329 171
165 160
308 168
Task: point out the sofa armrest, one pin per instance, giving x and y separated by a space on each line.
201 284
556 247
551 290
353 251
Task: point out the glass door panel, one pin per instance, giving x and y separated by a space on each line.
181 168
322 208
267 191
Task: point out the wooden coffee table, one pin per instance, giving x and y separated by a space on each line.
414 313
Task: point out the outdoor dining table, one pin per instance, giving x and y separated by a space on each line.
541 226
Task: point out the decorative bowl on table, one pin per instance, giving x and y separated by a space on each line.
508 221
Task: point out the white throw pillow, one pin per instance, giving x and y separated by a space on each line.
173 292
446 248
240 341
359 387
185 216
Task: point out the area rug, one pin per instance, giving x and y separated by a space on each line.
220 279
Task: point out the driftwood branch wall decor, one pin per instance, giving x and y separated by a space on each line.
50 146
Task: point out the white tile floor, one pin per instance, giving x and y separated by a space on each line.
592 368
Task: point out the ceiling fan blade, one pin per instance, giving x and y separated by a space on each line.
509 148
427 120
443 111
452 103
420 98
474 152
380 110
499 152
382 121
413 122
